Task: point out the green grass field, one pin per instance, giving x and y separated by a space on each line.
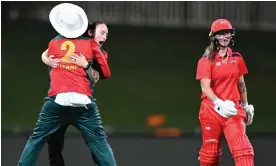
153 71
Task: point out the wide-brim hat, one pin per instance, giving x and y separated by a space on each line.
69 20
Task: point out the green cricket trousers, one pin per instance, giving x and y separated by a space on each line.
54 116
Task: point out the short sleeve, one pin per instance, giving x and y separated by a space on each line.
242 67
50 48
203 69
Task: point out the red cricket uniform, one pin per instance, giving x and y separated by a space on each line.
224 82
101 58
68 77
224 76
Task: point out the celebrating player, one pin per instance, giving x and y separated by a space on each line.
97 30
220 72
70 98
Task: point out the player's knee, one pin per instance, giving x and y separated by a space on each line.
210 152
241 146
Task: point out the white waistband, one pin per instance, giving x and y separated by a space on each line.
72 99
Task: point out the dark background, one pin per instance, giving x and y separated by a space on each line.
153 52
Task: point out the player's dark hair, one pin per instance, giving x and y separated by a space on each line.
92 27
211 52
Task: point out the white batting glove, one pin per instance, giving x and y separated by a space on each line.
249 109
225 108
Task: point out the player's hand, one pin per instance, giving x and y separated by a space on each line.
52 62
249 109
79 60
95 75
225 108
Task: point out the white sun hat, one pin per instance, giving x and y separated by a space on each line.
69 20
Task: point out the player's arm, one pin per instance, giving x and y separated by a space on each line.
94 71
96 66
44 56
81 61
207 90
93 74
204 75
101 65
242 90
241 83
49 60
249 108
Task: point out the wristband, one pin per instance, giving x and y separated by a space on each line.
244 104
87 67
215 101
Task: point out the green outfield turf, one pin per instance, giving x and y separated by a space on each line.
153 71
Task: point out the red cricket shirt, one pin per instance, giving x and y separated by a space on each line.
224 76
68 77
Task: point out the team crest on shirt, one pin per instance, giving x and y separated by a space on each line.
207 128
218 63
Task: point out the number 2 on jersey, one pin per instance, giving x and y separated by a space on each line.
70 51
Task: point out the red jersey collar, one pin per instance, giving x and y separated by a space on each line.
229 53
94 43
